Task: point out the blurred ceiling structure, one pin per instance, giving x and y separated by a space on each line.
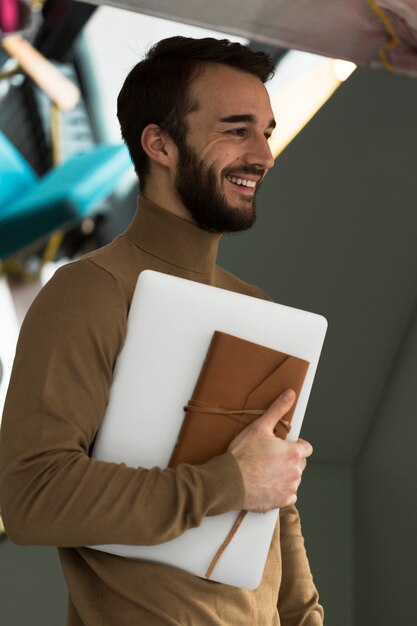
373 33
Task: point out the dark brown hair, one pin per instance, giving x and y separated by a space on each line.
156 90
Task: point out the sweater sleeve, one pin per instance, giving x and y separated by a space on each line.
298 603
51 491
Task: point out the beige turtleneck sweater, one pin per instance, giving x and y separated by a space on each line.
53 493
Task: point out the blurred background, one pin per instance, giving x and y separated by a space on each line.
336 234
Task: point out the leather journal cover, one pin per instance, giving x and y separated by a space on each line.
237 383
239 380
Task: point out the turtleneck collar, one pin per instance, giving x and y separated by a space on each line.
172 238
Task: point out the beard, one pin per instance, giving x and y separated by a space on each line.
200 193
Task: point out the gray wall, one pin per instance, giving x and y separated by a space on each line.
386 500
32 587
325 503
336 235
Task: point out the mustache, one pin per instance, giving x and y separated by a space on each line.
245 169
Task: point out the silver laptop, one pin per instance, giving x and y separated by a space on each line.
169 329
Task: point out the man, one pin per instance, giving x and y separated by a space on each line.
197 118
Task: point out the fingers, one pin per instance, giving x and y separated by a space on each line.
277 410
306 447
271 467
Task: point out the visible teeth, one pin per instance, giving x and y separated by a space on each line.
242 181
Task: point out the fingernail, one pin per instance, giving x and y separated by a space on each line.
288 395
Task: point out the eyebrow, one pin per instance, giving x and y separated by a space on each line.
233 119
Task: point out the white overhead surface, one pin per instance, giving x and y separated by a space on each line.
376 33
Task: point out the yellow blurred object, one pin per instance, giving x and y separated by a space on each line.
58 88
56 133
393 41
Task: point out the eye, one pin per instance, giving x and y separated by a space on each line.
237 132
268 136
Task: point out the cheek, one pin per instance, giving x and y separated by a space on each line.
219 157
225 160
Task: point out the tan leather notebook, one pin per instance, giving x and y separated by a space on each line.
238 382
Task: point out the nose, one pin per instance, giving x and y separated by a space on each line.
259 152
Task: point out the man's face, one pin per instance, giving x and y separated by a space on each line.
225 153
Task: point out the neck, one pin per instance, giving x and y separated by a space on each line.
164 195
174 240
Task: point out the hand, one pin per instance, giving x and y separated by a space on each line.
271 467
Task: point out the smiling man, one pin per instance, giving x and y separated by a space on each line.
196 117
222 153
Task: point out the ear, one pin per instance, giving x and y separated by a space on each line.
157 145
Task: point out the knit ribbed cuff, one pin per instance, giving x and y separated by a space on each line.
224 484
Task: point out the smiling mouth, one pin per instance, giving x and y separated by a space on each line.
243 182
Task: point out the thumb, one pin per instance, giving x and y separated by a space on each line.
277 410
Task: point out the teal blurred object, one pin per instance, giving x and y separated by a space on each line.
32 208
